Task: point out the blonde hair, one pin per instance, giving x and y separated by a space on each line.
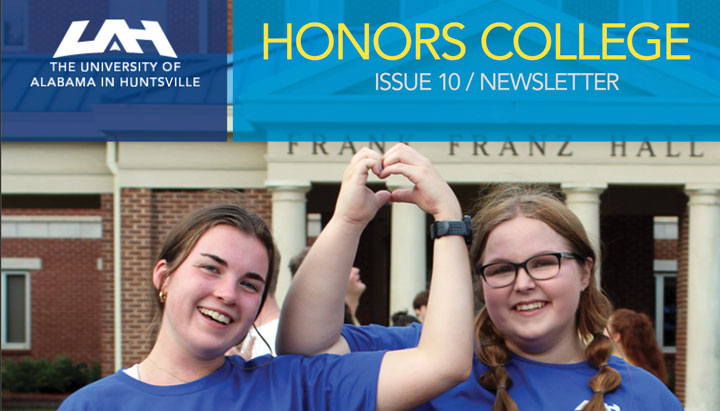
504 203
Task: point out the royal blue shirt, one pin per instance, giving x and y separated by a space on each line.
292 382
536 386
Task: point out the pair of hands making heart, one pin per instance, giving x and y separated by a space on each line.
357 204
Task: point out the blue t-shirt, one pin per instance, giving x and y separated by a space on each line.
536 386
292 382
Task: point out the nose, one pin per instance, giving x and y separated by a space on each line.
226 290
523 281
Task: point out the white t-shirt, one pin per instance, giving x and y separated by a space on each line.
269 332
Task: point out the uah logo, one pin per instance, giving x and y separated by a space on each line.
71 44
613 407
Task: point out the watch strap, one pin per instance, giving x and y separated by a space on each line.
442 228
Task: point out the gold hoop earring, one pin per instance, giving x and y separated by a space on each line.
162 296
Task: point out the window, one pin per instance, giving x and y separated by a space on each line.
15 310
666 310
665 235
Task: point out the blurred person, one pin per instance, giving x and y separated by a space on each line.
402 318
420 304
635 340
355 287
355 290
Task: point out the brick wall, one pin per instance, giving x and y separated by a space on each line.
136 270
168 206
666 249
66 293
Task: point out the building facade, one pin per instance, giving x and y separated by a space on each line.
69 244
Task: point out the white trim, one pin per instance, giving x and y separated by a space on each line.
21 263
28 326
665 228
665 266
314 224
52 218
52 227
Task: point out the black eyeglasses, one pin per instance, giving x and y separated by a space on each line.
538 267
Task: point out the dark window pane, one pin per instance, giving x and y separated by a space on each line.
16 309
669 311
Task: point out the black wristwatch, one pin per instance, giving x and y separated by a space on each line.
442 228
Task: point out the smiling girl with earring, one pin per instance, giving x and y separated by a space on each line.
539 336
211 277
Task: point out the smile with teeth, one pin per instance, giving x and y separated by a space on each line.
214 315
530 307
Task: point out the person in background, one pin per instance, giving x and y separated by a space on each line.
539 337
355 290
355 287
402 318
420 304
635 340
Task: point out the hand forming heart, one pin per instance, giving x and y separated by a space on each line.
357 204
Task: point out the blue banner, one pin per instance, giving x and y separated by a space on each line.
500 70
87 70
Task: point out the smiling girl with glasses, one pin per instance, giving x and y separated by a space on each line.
539 335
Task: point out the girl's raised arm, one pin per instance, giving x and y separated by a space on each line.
312 313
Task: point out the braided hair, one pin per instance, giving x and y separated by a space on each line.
504 203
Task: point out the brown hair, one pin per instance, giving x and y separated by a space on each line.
295 262
186 233
421 299
637 338
504 203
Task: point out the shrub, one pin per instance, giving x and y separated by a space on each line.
57 376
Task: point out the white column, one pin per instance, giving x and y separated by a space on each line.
703 322
288 226
584 201
407 256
